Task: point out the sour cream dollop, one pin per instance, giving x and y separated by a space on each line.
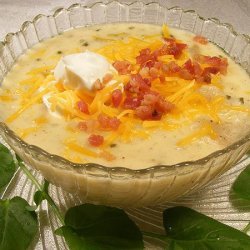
81 70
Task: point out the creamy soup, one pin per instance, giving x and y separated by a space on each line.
127 95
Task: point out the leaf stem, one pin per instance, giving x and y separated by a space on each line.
30 176
247 228
157 236
40 188
54 208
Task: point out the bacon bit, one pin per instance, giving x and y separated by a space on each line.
197 69
164 106
185 74
116 97
83 106
201 39
206 74
144 72
158 65
146 58
200 58
214 61
95 140
223 66
131 102
149 64
137 84
150 99
88 126
190 70
107 78
171 68
123 67
149 59
98 85
177 50
154 72
188 65
109 123
205 77
107 156
146 112
153 106
171 47
82 126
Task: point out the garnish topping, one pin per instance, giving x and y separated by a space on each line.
95 140
150 83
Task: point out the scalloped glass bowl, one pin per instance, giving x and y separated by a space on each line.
120 186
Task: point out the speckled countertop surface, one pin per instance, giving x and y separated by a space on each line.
235 12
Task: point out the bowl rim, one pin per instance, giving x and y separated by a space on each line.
114 170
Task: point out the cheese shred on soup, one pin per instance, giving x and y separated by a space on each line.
127 95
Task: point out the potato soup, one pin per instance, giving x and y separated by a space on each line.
127 95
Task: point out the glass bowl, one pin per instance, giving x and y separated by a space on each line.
121 186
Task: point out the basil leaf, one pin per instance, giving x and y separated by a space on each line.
39 195
100 227
7 166
18 226
76 242
241 187
188 229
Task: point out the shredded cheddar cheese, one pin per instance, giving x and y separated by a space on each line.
165 31
205 130
182 93
38 122
44 70
27 105
80 149
6 98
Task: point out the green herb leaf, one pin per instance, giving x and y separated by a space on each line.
7 166
188 229
241 186
99 227
241 191
40 195
18 226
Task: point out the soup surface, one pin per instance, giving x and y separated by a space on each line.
166 96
